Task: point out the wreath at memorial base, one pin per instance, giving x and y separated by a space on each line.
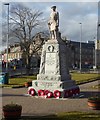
40 92
57 94
31 92
48 94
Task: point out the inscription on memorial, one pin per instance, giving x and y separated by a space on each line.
50 64
50 84
50 59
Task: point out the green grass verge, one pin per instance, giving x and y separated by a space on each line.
21 80
78 77
65 116
18 82
78 116
84 77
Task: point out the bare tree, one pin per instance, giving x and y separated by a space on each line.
23 24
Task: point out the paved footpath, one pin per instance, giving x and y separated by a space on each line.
40 106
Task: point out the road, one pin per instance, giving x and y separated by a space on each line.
36 106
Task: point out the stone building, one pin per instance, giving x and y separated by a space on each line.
15 56
97 49
97 42
14 52
87 56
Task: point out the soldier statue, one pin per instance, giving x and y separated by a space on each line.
53 23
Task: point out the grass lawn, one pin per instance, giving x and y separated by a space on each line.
78 116
84 77
78 77
65 116
19 81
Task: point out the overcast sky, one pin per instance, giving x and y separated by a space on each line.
71 14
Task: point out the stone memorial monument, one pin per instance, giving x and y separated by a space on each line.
54 79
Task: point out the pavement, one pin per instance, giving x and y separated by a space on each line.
37 106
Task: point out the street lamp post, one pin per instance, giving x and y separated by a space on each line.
7 37
80 46
95 55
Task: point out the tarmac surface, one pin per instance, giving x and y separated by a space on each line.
37 106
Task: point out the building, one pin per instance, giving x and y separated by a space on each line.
88 57
87 54
97 42
15 57
97 52
14 52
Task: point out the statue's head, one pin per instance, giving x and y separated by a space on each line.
53 7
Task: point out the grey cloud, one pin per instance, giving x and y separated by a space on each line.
75 13
71 14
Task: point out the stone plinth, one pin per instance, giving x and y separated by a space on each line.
54 73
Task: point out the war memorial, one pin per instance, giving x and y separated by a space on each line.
54 79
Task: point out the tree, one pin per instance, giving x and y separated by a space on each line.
23 24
